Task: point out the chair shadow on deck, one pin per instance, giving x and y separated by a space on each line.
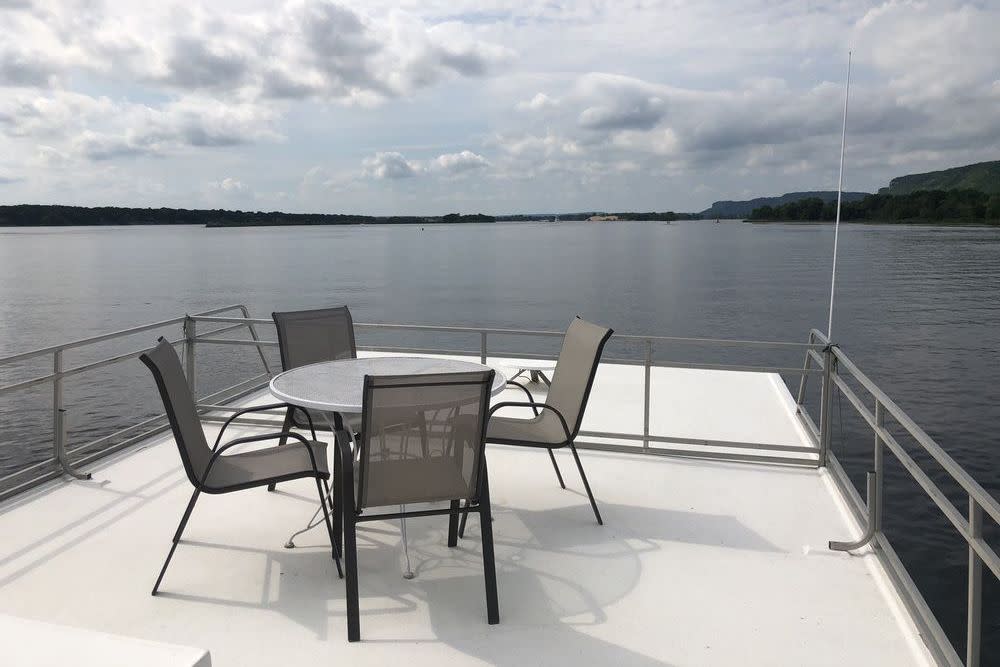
557 571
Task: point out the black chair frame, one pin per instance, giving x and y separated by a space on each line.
345 526
322 478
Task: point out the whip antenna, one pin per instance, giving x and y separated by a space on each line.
840 188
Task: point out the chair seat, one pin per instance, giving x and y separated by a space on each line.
545 430
259 467
415 481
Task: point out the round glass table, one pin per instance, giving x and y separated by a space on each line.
338 386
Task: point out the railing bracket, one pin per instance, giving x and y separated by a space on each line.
872 520
61 460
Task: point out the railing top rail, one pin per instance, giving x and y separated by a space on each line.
530 332
816 333
957 472
21 356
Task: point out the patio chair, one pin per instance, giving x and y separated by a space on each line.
557 421
212 471
400 463
308 337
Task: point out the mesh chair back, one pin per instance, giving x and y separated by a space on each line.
310 336
422 438
180 407
575 370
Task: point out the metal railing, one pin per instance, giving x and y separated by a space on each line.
58 463
821 358
838 370
694 447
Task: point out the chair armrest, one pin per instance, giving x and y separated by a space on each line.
543 406
525 390
261 408
216 454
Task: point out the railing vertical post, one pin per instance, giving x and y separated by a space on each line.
59 457
806 365
482 347
58 412
189 357
975 602
825 416
253 334
647 370
879 464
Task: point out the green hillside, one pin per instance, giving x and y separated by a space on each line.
741 209
984 177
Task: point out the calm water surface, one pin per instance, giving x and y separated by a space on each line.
917 309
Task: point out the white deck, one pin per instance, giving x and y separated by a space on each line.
699 563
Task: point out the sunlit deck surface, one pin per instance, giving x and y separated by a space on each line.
699 563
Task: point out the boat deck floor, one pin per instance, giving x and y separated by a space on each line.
698 563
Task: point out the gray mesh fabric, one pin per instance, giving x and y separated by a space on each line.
258 466
422 437
177 399
545 429
578 358
581 352
310 336
230 470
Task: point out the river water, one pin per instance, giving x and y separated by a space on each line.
917 309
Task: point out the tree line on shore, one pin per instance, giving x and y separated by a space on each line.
40 215
941 206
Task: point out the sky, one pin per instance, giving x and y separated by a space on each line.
436 106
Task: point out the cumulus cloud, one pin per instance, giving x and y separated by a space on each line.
389 165
302 48
392 165
229 185
458 163
18 68
536 103
556 95
619 103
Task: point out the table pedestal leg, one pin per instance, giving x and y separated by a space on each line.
336 424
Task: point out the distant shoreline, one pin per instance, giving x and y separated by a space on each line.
923 223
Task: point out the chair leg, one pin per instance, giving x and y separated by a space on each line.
453 524
285 426
586 484
177 538
327 519
556 466
465 517
346 502
489 562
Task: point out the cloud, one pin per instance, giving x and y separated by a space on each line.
97 128
229 186
390 165
25 69
536 103
196 63
458 163
300 49
619 103
573 100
